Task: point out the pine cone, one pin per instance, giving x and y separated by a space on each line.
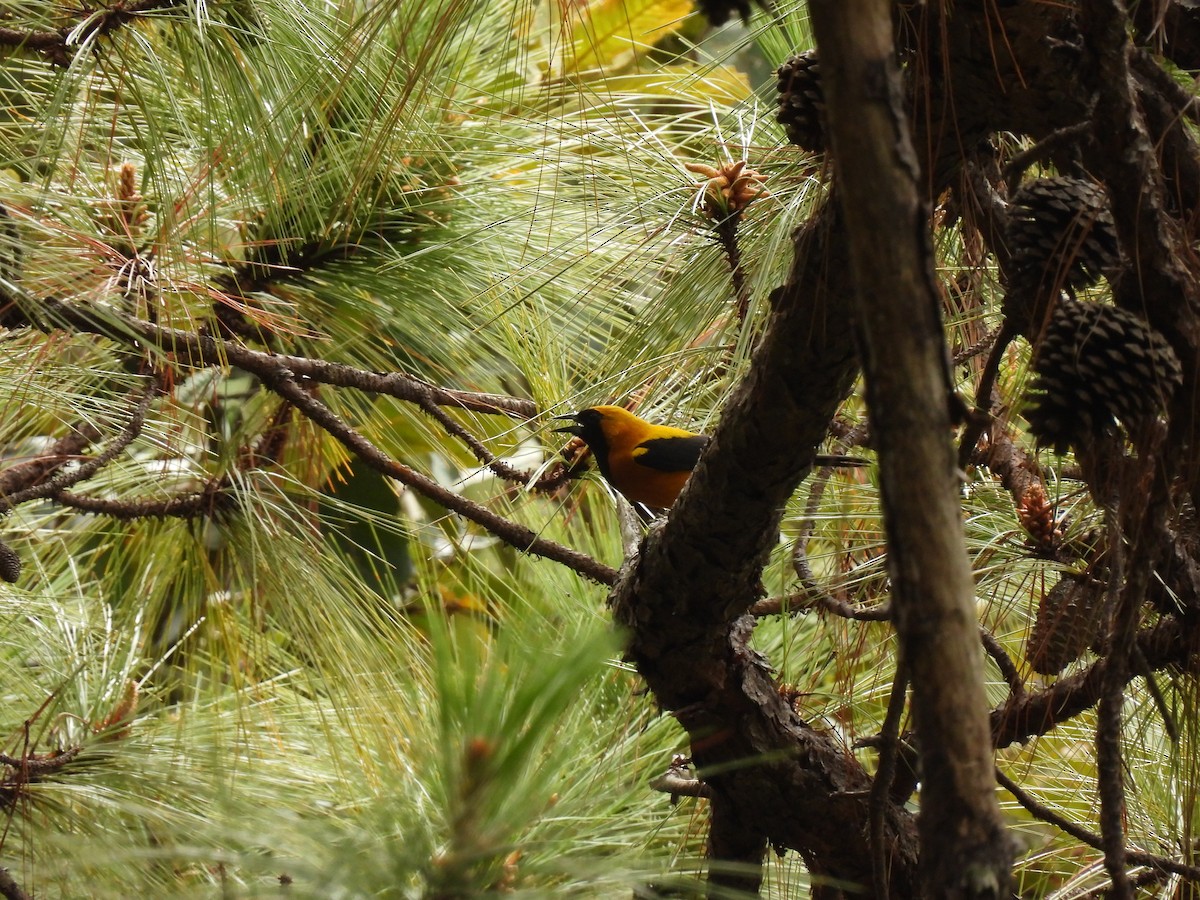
1067 623
10 563
1098 364
801 101
718 11
1061 233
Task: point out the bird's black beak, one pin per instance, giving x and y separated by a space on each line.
574 428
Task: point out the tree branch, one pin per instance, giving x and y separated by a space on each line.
700 570
555 478
66 450
1110 767
90 467
679 782
1008 669
885 773
1046 814
965 850
9 887
277 373
1160 280
284 383
1170 642
206 502
50 313
57 45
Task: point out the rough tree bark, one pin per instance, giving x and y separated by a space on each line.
774 779
975 69
964 849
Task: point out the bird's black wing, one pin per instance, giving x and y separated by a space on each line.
671 454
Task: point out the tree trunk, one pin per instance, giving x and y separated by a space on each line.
964 849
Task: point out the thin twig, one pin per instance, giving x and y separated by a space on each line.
39 766
811 593
205 349
551 480
278 374
1063 137
844 610
1040 811
1142 879
982 415
1142 507
1008 669
1160 702
90 467
881 787
804 600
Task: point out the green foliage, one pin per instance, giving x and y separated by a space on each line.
321 679
342 690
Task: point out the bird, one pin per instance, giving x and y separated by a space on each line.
647 463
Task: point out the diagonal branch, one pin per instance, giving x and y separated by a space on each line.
1020 718
682 598
66 450
1046 814
277 373
197 349
554 479
285 384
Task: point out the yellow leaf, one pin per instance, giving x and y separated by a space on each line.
610 34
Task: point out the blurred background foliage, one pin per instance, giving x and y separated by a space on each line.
329 687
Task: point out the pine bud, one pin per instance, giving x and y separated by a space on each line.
1036 515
